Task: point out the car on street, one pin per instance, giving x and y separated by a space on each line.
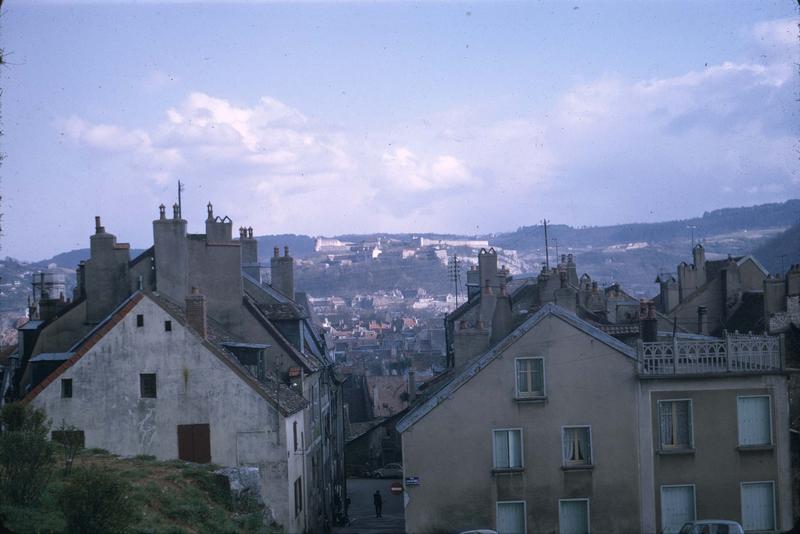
393 470
711 526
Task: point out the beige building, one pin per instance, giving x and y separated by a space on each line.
546 423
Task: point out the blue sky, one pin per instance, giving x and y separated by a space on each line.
334 117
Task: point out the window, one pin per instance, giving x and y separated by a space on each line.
66 388
755 421
675 424
167 326
576 446
758 506
573 516
147 385
677 507
140 320
511 517
298 496
294 432
530 377
507 449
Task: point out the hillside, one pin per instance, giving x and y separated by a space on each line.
168 497
781 251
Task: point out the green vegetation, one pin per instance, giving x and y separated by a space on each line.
99 492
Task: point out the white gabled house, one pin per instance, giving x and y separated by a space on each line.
154 379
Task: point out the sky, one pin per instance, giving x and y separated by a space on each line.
325 118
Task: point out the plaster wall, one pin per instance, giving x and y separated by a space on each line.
450 449
716 466
193 387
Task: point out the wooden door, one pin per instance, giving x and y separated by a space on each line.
194 443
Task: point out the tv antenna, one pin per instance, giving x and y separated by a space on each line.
455 274
692 228
546 248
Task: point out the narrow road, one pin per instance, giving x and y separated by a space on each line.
362 511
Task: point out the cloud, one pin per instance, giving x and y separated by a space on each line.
608 150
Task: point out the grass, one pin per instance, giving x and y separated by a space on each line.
170 497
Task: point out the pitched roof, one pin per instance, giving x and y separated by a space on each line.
279 396
477 364
252 306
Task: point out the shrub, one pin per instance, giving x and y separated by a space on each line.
26 455
94 501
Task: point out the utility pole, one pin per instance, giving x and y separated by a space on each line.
692 227
546 249
782 257
455 274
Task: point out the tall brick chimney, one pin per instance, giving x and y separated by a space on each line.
196 313
282 268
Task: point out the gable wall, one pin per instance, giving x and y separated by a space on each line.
193 387
587 382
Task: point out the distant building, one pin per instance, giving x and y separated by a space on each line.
546 421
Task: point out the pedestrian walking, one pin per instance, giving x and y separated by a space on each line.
378 501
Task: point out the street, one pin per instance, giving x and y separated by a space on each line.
362 511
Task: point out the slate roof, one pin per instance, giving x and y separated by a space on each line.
477 364
280 396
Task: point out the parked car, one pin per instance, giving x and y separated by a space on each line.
389 471
712 526
479 531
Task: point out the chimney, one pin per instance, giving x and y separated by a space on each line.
565 296
487 304
282 268
702 320
196 314
412 386
648 324
249 249
98 229
487 266
501 320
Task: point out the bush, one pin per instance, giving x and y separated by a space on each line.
26 455
94 501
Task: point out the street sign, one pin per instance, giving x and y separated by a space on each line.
396 488
412 481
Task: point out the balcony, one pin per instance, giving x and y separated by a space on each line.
733 354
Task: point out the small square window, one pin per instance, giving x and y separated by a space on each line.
675 424
167 326
66 388
576 446
530 377
140 320
507 449
147 385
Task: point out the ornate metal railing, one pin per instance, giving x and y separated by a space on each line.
734 353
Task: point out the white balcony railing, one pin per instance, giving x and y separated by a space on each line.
734 353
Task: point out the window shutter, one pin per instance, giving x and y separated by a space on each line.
677 507
754 421
511 518
573 517
758 511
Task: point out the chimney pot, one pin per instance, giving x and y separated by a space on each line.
285 251
276 251
162 212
